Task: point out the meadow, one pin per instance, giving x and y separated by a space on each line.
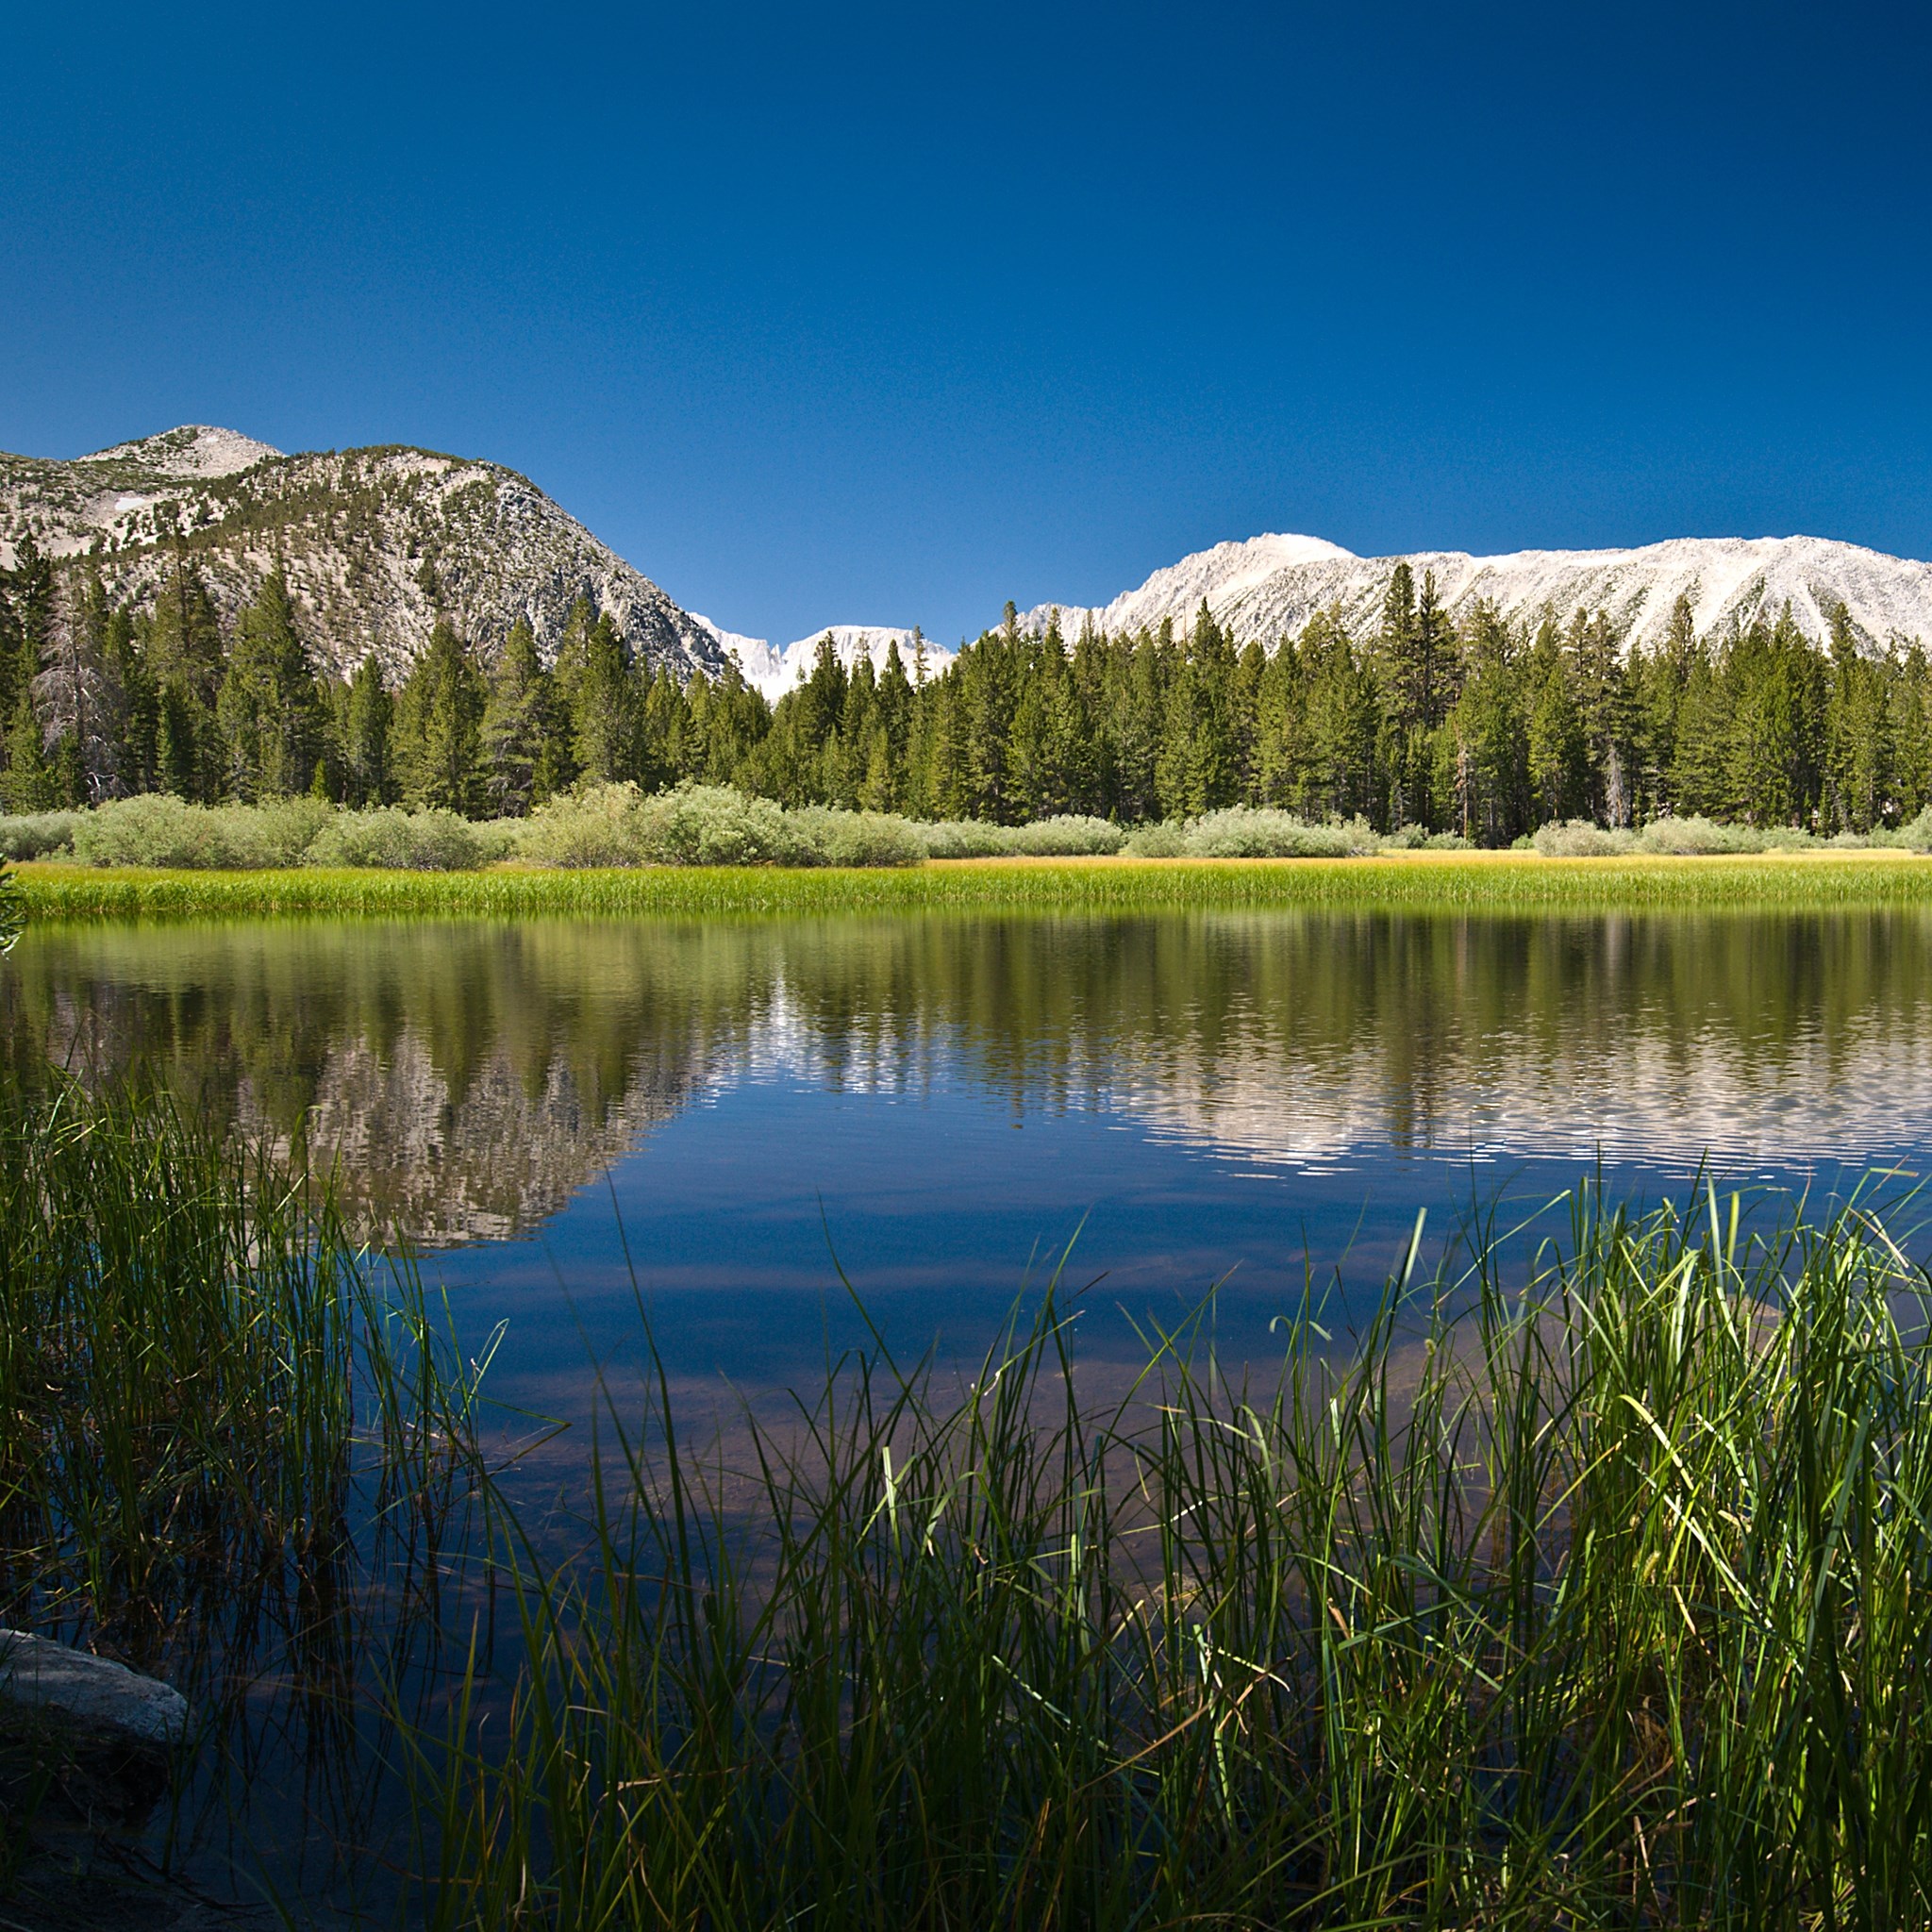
1420 881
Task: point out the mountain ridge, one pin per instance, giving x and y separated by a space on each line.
376 543
1269 587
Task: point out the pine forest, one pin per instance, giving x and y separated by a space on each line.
1483 729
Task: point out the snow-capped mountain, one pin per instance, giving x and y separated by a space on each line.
375 542
1269 587
775 670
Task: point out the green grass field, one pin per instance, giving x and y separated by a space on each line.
1455 882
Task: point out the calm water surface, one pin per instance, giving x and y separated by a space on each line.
714 1110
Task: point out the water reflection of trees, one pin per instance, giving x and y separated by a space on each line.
472 1075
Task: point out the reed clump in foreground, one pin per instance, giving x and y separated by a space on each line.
232 1445
1597 1592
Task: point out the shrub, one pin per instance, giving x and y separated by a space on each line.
1244 831
713 824
1072 835
431 840
158 829
1579 839
1167 839
1696 836
962 839
37 834
1068 835
581 829
709 825
830 837
1915 835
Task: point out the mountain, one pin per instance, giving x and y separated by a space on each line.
775 670
375 542
1269 587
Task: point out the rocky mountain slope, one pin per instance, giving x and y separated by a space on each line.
1269 586
374 541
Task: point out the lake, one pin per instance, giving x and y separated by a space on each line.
569 1115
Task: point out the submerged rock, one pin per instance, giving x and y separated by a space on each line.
114 1726
89 1693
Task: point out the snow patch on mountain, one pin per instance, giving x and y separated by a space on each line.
1270 586
776 669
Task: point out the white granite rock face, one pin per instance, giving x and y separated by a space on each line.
89 1693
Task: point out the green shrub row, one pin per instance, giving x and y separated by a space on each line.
1703 837
712 824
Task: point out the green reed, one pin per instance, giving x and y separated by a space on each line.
1591 1587
197 1362
1449 882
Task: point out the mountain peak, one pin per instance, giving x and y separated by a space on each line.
377 544
776 669
193 450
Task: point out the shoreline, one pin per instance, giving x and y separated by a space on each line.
61 893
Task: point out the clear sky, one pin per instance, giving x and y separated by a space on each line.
880 315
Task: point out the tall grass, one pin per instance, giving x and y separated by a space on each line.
1449 882
238 1452
1596 1592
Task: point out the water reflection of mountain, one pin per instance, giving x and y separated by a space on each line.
472 1077
465 1079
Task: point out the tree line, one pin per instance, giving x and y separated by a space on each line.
1485 726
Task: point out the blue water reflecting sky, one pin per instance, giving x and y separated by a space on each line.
946 1207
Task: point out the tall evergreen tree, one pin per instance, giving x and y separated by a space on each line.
1857 762
367 732
78 694
1490 762
439 722
605 706
520 729
269 710
1558 757
183 655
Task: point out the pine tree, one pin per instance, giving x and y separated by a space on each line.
605 708
1598 683
31 599
732 718
671 749
1910 714
1558 753
185 657
78 695
986 676
1413 659
138 760
1858 759
368 728
13 678
1490 763
439 722
269 710
519 727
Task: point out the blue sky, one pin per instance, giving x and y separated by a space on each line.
882 315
